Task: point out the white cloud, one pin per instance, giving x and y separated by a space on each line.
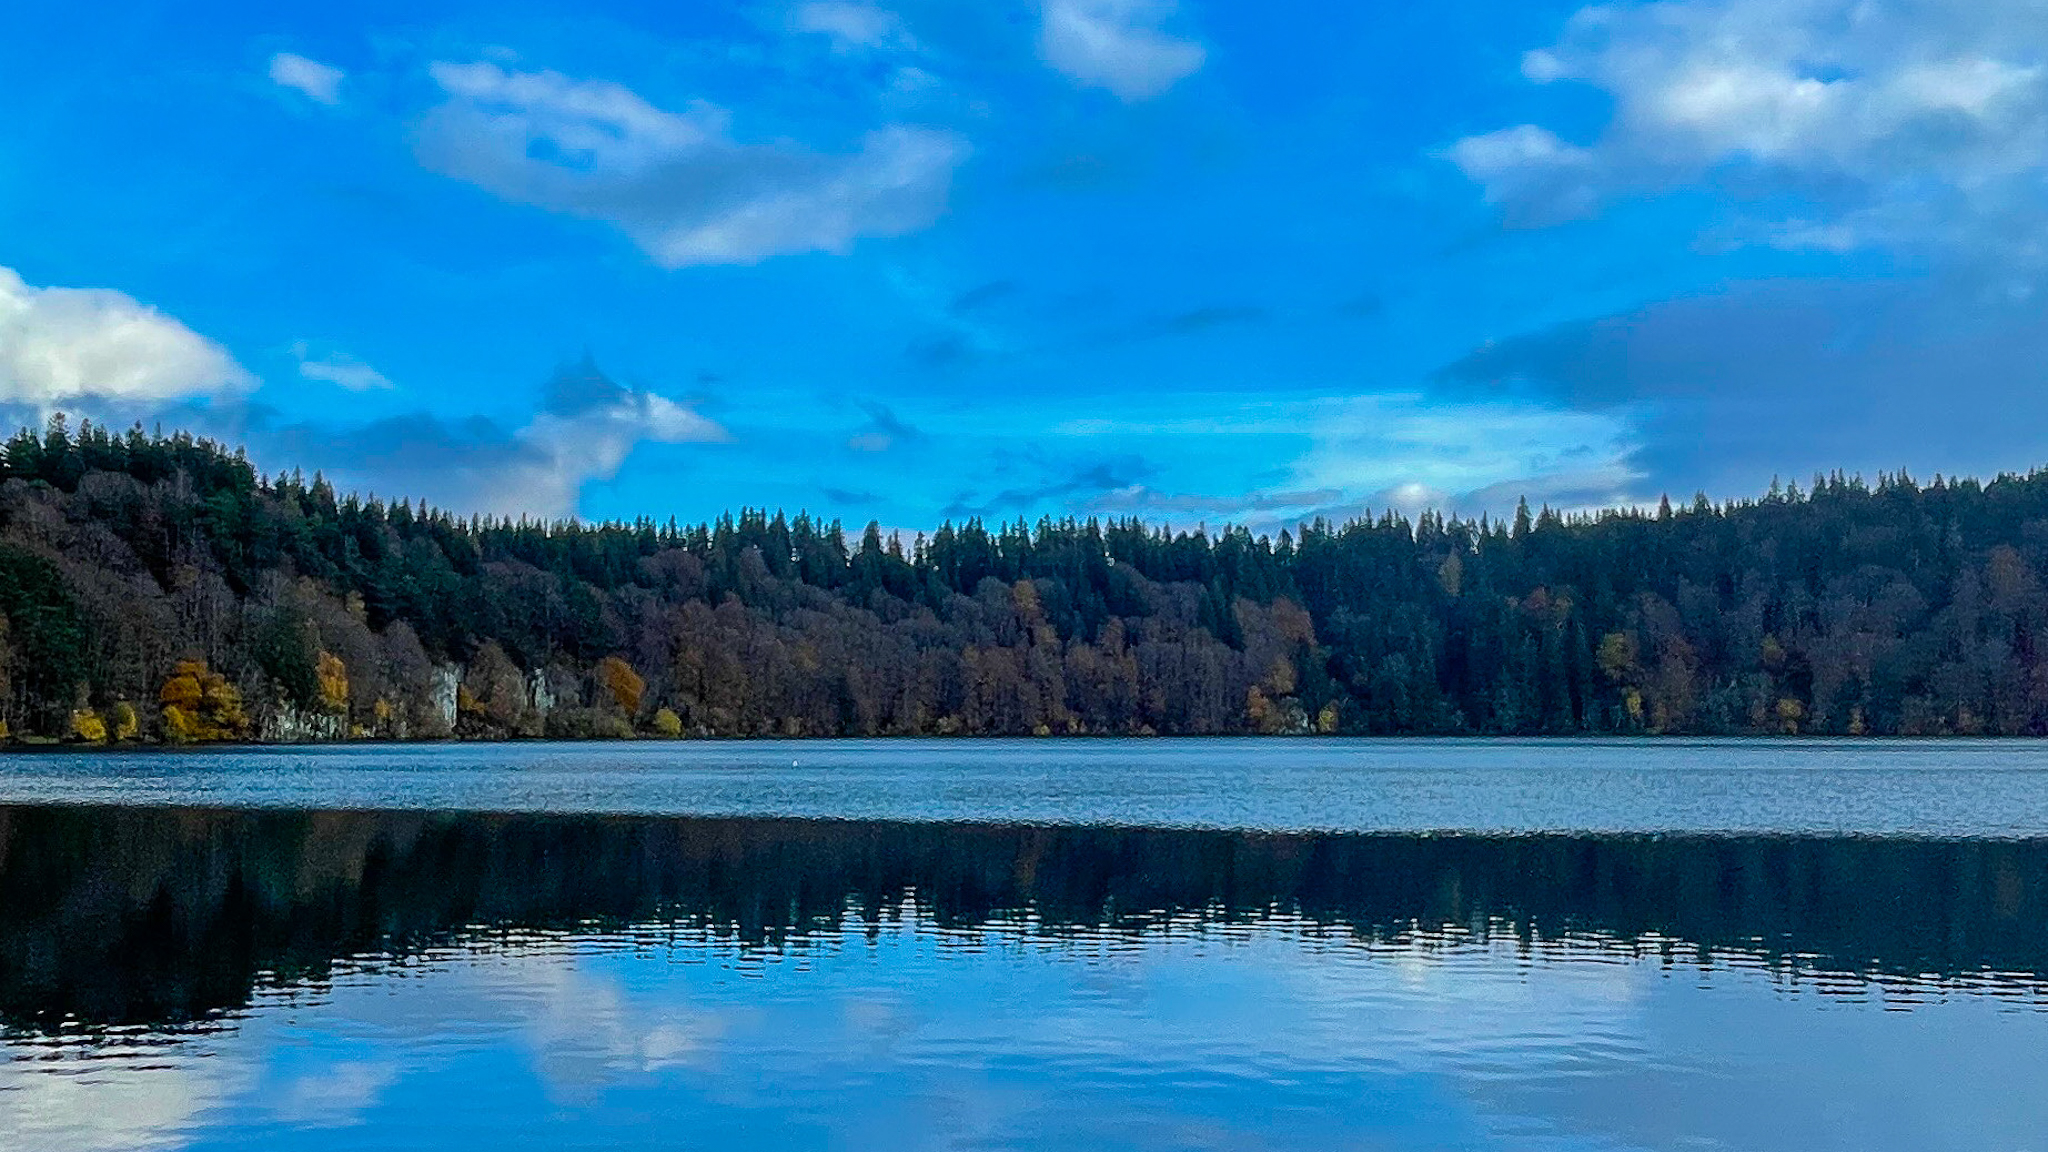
339 369
1118 45
1529 165
1890 118
852 27
911 79
320 83
895 184
62 345
678 183
594 125
341 372
576 448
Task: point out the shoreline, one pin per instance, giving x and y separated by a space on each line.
1590 738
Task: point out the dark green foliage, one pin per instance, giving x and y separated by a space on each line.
44 634
288 651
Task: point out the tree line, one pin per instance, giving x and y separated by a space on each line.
159 587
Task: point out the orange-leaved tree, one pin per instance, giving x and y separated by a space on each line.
623 685
199 704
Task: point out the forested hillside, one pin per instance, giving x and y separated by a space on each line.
158 588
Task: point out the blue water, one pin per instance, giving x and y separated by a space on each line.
1085 945
1945 788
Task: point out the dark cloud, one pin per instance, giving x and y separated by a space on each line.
958 342
580 387
1583 362
1073 488
1815 330
884 430
845 497
459 464
409 454
942 351
883 419
1790 378
1246 507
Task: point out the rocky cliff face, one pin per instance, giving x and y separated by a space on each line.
289 724
447 693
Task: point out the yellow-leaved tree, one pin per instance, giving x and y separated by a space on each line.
333 676
199 704
86 725
619 682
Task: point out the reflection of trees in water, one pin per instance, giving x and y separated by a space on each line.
125 915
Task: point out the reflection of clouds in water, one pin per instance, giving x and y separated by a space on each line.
1281 1035
587 1034
75 1097
86 1097
584 1033
1435 1003
334 1096
880 1023
582 1028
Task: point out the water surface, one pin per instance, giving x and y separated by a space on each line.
1835 787
263 951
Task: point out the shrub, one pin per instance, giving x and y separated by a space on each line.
86 725
127 725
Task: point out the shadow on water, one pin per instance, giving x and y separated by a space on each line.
168 916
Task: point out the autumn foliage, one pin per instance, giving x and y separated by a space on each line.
621 684
136 567
200 705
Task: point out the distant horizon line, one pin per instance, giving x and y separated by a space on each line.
1780 490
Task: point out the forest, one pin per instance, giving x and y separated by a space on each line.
159 588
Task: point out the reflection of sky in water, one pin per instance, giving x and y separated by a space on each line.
1277 1036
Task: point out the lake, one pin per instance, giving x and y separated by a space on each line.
1028 944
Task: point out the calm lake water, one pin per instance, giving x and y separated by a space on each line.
1161 944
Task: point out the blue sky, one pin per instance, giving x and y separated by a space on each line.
924 260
